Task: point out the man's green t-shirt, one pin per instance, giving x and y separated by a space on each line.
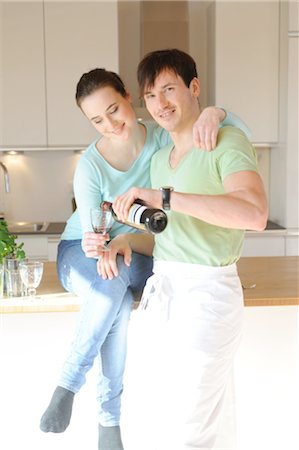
187 239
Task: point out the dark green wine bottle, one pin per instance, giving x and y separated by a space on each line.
142 217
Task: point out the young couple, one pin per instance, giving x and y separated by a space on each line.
194 294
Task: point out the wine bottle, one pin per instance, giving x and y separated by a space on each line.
147 219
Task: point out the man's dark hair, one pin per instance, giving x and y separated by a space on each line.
157 61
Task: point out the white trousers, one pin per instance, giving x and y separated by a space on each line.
188 327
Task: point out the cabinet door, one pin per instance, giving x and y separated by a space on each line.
22 78
53 242
294 16
244 63
263 245
79 37
35 246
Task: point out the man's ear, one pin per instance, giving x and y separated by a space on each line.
195 87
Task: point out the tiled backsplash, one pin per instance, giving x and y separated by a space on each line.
40 186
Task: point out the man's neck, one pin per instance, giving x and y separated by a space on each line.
183 142
183 136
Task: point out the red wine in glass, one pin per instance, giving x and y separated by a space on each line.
101 221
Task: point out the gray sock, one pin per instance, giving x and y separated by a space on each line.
57 416
110 438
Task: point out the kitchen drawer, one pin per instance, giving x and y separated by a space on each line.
36 247
41 247
264 244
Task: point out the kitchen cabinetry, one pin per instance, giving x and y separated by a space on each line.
79 36
22 75
264 244
284 193
44 49
271 243
243 55
40 247
294 16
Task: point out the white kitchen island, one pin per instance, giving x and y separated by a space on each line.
35 337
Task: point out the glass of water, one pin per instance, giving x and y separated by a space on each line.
31 274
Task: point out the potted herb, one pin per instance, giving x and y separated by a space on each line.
9 248
11 253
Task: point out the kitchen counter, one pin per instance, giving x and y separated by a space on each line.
58 228
267 281
28 228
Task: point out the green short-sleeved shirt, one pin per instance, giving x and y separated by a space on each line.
187 239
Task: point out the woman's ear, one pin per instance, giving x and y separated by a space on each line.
129 97
195 87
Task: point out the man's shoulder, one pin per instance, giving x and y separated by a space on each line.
230 135
234 152
234 139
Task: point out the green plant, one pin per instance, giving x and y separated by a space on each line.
9 248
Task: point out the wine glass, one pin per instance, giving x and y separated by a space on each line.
101 221
31 275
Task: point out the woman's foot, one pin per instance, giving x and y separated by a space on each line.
57 416
110 438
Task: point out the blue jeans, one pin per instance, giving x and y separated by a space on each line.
103 321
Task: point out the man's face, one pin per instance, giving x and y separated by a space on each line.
171 103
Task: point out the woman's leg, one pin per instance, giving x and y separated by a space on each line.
103 319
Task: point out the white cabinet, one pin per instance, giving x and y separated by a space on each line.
79 36
40 247
22 74
264 244
271 243
35 246
44 49
243 55
53 242
294 16
292 244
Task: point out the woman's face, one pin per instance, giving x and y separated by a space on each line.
110 113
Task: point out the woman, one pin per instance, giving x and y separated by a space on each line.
111 165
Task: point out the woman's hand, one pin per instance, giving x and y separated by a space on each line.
205 129
107 266
92 244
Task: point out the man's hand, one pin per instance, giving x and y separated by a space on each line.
205 129
92 244
122 203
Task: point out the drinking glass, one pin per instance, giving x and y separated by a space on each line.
13 284
31 274
101 221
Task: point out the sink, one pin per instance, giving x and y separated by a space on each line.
27 227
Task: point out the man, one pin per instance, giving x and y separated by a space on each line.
192 306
